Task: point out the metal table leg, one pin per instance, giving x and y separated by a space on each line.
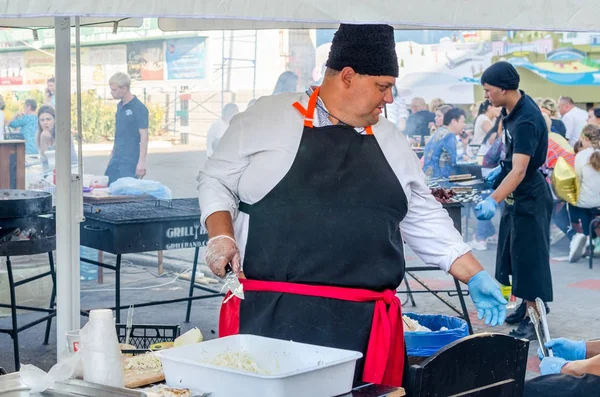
52 296
13 311
463 305
118 289
192 282
409 292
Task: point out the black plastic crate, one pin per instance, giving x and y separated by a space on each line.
144 335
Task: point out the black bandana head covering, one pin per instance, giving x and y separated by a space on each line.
368 49
502 75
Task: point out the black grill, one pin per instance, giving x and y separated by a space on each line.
141 226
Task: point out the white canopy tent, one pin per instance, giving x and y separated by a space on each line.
560 15
552 15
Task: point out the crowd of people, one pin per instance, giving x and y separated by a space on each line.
450 140
35 124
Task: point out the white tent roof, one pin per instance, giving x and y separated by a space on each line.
559 15
48 22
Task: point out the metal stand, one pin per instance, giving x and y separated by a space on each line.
15 329
462 312
193 285
454 210
118 306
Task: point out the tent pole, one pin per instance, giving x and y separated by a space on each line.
67 318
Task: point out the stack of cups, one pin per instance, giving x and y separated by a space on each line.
100 350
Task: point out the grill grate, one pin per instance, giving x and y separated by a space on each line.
143 211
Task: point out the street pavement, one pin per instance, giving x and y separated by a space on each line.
574 312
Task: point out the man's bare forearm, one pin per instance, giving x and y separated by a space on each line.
143 146
465 267
592 348
220 223
581 367
508 185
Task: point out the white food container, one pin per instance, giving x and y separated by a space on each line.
295 369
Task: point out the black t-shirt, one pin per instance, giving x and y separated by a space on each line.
525 132
130 119
418 124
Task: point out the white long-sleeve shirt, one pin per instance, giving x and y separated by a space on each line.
589 178
574 121
259 147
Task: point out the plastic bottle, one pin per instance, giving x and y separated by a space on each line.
507 294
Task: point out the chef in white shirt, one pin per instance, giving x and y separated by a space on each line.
573 118
313 194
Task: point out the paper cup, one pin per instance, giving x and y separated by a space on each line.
103 316
73 340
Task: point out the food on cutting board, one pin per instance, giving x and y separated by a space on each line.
189 338
123 346
142 362
166 391
411 325
240 360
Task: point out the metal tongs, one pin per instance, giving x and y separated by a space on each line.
541 308
232 283
129 325
540 323
535 319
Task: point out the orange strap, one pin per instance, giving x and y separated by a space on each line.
310 112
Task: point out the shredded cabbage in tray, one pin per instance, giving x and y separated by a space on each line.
241 360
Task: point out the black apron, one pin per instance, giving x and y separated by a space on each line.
524 236
332 220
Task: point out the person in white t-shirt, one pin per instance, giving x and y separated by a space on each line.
587 168
573 118
218 128
484 122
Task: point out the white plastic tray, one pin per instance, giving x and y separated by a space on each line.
295 369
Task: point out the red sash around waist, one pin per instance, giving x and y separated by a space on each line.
384 361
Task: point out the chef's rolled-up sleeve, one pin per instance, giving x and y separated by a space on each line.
218 180
429 230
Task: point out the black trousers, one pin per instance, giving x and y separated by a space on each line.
585 215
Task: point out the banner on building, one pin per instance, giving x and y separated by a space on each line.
186 58
11 68
145 60
105 61
39 66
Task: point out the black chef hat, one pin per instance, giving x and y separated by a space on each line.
368 49
502 75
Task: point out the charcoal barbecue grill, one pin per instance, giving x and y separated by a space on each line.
27 228
141 226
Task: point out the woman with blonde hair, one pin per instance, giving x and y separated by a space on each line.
548 107
587 168
435 104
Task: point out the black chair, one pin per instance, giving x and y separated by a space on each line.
482 365
595 221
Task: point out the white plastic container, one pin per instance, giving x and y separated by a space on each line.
295 369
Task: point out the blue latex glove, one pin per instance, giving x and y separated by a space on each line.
488 299
565 348
493 175
552 365
486 209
